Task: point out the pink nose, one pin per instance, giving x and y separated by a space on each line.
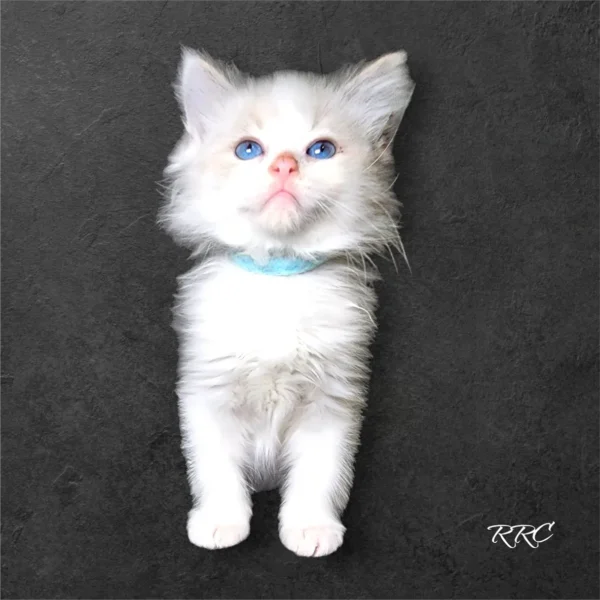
283 166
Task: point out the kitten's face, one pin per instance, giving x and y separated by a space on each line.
272 183
285 161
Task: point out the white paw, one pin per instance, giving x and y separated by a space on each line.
211 533
313 541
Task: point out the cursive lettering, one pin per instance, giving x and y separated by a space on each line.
511 535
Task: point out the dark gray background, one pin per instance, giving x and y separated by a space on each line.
483 404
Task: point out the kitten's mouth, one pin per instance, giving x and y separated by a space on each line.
281 199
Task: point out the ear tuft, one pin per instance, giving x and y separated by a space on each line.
379 93
201 86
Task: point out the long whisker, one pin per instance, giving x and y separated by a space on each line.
403 252
352 213
397 240
377 159
400 245
369 259
393 183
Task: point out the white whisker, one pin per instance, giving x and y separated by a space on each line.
379 157
393 183
396 240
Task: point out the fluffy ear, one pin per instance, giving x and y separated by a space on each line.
379 92
201 86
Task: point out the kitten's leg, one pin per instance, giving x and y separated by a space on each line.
320 451
213 445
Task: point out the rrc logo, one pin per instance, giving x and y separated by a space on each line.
511 535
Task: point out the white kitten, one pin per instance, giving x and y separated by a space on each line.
291 173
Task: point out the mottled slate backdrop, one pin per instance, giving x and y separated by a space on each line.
484 394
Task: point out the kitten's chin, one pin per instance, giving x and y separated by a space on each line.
281 214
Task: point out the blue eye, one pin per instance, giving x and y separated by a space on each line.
248 149
321 149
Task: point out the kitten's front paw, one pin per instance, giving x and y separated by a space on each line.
206 531
313 541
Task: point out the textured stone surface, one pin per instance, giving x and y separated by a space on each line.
484 397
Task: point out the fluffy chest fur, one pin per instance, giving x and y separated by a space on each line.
268 349
273 338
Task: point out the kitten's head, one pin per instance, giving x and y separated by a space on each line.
292 162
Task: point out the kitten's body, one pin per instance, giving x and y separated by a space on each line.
295 347
273 369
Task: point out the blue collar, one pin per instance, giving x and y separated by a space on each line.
282 266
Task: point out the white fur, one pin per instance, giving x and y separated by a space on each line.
273 370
